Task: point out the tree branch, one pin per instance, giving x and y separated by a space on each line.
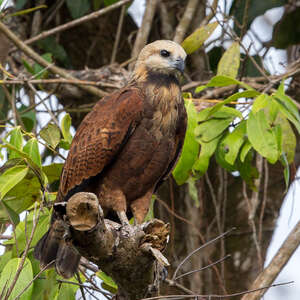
143 33
36 57
269 274
76 22
126 253
185 21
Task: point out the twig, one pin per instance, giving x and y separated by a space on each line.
269 274
213 9
76 22
265 197
118 35
34 278
199 248
81 285
219 296
29 52
185 21
206 267
44 104
5 237
197 231
179 286
20 267
52 81
143 33
254 201
245 19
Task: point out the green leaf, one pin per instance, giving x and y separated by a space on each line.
232 143
206 151
37 170
245 150
78 8
247 171
16 140
64 144
194 41
27 66
220 159
32 149
24 279
286 112
10 178
28 118
287 102
108 281
23 235
278 135
286 171
22 195
50 44
40 71
53 171
262 137
190 149
11 215
4 258
289 141
66 292
230 61
234 97
65 128
260 102
221 80
209 130
51 135
200 88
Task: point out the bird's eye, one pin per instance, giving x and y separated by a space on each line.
164 53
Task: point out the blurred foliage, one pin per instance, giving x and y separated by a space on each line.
289 23
256 8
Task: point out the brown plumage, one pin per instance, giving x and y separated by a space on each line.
124 148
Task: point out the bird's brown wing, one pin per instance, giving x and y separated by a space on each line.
100 137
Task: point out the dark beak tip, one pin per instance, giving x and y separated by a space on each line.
180 65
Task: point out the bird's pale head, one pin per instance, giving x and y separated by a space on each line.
162 56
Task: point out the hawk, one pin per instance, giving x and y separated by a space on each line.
123 149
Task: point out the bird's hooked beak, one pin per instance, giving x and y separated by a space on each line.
179 64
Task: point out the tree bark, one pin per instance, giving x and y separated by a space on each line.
119 251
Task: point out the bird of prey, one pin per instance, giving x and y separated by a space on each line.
123 149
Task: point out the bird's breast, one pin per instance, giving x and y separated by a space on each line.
161 110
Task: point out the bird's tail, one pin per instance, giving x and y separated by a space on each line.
54 250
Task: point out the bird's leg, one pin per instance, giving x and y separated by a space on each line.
123 218
140 207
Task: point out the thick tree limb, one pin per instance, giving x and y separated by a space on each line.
76 22
128 254
269 274
185 21
143 33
